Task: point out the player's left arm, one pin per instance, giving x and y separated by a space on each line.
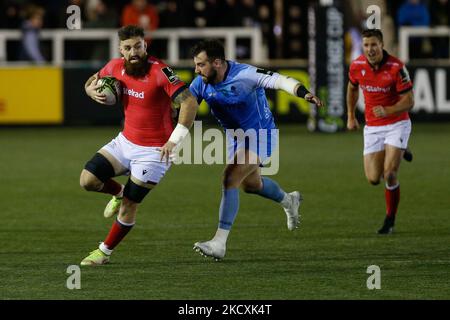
296 88
188 111
405 88
188 108
274 80
405 103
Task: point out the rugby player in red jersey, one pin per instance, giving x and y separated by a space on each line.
388 96
143 148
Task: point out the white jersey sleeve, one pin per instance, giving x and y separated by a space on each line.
261 78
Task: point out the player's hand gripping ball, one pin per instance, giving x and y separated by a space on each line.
111 88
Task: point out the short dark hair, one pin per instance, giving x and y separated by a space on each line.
130 31
373 33
214 49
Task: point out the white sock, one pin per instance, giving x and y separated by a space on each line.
126 224
120 194
286 202
103 248
221 235
392 187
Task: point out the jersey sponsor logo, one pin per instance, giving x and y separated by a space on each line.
170 75
404 75
264 71
375 89
133 93
395 64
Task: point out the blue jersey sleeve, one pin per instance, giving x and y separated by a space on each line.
196 88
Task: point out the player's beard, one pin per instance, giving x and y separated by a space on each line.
211 78
137 69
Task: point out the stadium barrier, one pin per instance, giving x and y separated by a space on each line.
56 96
405 33
58 38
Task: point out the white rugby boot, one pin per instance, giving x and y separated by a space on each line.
212 248
292 210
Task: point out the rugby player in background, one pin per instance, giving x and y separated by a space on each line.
388 96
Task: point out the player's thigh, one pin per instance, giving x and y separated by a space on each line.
374 139
118 151
374 166
398 134
392 158
396 143
116 164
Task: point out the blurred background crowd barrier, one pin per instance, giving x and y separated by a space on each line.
44 64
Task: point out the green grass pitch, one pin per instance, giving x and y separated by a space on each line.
48 223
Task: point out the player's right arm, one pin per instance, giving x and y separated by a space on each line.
352 99
91 87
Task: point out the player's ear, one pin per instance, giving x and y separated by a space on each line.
120 50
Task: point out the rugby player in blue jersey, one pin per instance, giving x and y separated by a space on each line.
235 93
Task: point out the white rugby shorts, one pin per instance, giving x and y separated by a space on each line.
395 134
142 162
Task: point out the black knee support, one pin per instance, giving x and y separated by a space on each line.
135 192
100 167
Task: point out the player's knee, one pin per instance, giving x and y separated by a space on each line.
373 180
129 205
390 177
90 182
252 187
230 180
249 189
227 181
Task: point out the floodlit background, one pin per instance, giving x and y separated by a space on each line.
49 128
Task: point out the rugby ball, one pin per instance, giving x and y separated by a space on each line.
110 87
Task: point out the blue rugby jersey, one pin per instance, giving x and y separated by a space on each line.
239 101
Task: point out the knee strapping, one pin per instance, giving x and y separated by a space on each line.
100 167
135 192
